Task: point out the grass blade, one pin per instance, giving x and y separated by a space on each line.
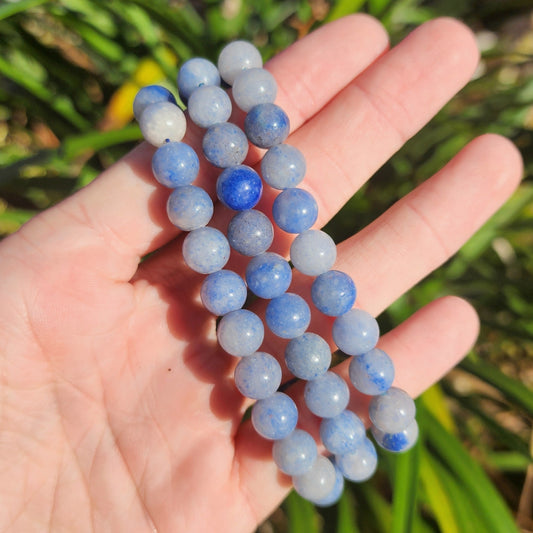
301 514
18 7
404 503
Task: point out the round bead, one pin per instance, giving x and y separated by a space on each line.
222 292
392 411
313 252
275 417
239 187
240 332
335 493
254 86
162 122
397 442
356 332
294 210
268 275
359 465
288 315
206 250
189 207
372 372
266 125
327 395
225 145
317 482
343 433
333 293
175 164
195 73
258 375
295 454
208 105
308 356
283 166
236 57
151 94
250 232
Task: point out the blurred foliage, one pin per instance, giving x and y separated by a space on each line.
69 70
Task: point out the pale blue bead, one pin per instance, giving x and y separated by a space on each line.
336 492
317 482
239 187
162 122
240 332
268 275
356 332
343 433
225 145
250 232
194 73
254 86
258 376
333 293
189 207
236 57
175 164
295 454
327 395
360 465
266 125
288 315
313 252
283 166
392 411
308 356
222 292
151 94
275 417
208 105
397 442
294 210
206 250
372 372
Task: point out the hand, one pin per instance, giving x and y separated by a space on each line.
118 410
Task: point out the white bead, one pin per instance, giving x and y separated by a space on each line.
163 122
254 86
236 57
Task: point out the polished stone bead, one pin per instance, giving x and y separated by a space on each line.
225 145
288 315
206 250
343 433
258 375
239 187
250 232
294 210
317 482
372 372
162 122
254 86
222 292
397 442
313 252
360 465
308 356
266 125
392 411
275 417
268 275
240 332
151 94
333 293
208 105
175 164
295 454
189 207
283 166
356 332
327 395
236 57
336 492
194 73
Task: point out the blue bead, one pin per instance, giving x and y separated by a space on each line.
336 491
333 293
327 395
250 232
206 250
317 482
239 187
397 442
222 292
356 332
163 122
195 73
151 94
295 454
268 275
343 433
240 332
254 86
294 210
372 372
175 164
266 125
360 465
392 411
236 57
209 105
308 356
283 166
225 145
313 252
258 376
288 316
189 207
275 417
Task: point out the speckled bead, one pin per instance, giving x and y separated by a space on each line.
162 122
372 372
327 395
313 252
308 356
294 210
175 164
222 292
268 275
288 315
356 332
240 333
295 454
336 492
275 417
333 293
239 187
343 433
258 376
254 86
236 57
397 442
392 411
266 125
317 482
283 166
360 465
250 232
151 94
208 105
206 250
189 207
194 73
225 145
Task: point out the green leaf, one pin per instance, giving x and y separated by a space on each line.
346 517
343 8
302 515
18 7
406 474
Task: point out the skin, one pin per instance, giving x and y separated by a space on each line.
117 409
